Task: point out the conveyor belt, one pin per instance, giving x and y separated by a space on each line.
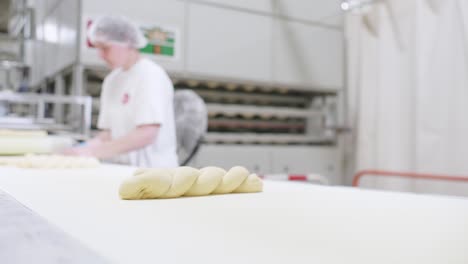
28 238
287 223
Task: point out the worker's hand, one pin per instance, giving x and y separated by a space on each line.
78 151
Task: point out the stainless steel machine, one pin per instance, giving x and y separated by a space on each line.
22 105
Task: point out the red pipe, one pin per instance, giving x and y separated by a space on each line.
294 177
413 175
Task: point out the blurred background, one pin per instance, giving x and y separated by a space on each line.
309 90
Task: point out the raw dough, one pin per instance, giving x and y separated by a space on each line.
21 145
187 181
22 133
50 162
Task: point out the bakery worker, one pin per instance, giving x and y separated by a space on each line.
136 116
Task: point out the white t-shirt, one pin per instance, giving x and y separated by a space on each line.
141 95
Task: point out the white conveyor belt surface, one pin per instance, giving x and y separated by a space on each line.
287 223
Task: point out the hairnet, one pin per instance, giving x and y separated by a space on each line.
116 30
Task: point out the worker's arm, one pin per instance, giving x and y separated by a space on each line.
85 149
100 138
102 146
138 138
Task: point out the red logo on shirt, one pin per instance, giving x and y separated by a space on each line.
125 98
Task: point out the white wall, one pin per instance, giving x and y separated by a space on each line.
326 12
295 43
307 55
229 43
287 43
169 13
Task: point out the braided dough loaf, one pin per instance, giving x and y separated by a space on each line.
187 181
50 162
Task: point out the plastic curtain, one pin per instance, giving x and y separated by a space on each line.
408 91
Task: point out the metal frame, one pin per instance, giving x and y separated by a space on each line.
41 100
17 33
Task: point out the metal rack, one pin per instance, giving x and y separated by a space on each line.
39 109
239 113
262 114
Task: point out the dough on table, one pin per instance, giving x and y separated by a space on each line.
32 142
188 181
50 162
22 133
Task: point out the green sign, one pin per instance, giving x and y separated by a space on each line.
160 41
